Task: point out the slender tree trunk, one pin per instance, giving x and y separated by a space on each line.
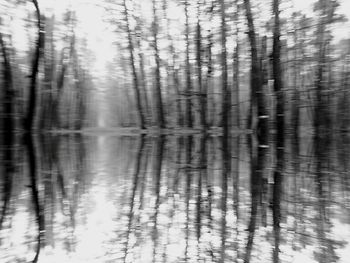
295 114
277 72
9 94
133 67
202 98
210 103
188 113
47 97
321 117
236 66
29 121
158 91
257 99
173 70
226 94
142 79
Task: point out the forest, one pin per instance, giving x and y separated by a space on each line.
174 131
176 64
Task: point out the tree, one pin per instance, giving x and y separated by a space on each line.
133 67
188 93
225 93
277 72
158 91
29 121
257 110
8 84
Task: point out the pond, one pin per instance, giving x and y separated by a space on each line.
191 198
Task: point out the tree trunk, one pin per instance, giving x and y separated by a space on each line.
173 70
133 67
188 93
277 72
9 94
158 91
202 98
29 121
225 93
236 67
142 79
258 110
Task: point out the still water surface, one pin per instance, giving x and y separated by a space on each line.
146 199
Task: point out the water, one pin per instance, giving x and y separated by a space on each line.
146 199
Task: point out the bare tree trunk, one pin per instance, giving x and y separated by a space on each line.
257 99
295 114
158 91
188 93
210 103
49 61
173 70
226 94
236 67
9 93
142 79
29 121
202 97
277 72
321 117
133 67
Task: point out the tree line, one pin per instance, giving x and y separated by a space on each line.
222 65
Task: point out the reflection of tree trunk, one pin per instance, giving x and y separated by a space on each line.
235 170
276 199
157 170
202 173
226 171
188 160
32 161
135 184
256 167
8 160
326 246
29 122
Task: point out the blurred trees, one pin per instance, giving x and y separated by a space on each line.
178 64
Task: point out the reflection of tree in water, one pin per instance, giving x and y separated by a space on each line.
326 245
186 198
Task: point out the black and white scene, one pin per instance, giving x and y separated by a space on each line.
174 131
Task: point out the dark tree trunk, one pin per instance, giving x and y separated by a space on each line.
257 110
29 121
188 93
202 98
133 67
172 70
9 93
225 93
236 67
277 72
46 120
158 91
